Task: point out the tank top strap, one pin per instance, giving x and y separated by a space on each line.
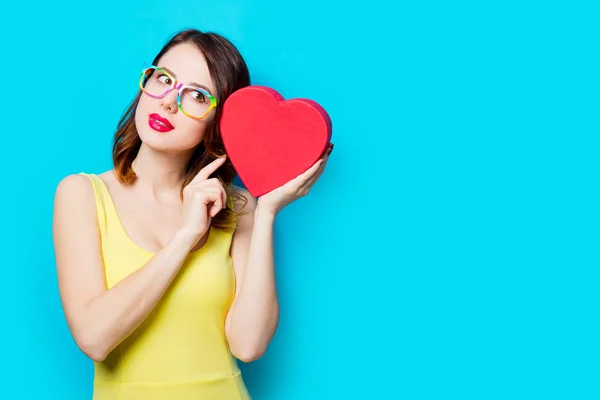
104 205
231 206
100 200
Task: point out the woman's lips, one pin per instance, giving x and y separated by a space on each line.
159 123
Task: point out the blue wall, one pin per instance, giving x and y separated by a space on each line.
450 251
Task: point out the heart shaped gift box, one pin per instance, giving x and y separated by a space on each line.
270 140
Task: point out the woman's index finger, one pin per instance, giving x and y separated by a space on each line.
208 170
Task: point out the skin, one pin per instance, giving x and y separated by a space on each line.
156 220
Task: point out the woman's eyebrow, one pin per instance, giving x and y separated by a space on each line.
190 83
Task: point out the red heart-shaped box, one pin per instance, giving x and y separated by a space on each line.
270 140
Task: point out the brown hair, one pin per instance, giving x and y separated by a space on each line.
229 73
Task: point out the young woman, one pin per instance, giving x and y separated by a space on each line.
165 268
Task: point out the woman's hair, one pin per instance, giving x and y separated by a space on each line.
229 73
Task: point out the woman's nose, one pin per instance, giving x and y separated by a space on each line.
169 102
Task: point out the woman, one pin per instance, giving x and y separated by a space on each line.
165 268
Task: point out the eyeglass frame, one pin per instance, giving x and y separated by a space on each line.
179 87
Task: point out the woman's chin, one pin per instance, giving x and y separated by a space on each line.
165 142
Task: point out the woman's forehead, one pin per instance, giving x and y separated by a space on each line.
188 64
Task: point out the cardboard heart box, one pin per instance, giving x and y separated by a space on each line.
270 140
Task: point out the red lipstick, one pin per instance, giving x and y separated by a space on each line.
159 123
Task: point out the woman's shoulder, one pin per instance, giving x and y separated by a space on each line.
241 190
74 195
244 200
76 187
73 184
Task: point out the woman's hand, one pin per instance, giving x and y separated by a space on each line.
203 198
275 200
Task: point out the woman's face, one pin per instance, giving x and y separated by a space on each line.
154 117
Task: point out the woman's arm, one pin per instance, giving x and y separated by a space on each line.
254 314
100 319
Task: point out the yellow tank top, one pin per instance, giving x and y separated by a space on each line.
179 352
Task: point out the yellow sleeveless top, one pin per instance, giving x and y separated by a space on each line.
179 352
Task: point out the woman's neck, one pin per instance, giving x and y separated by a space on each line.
159 170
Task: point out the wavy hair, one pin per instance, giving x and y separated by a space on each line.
229 73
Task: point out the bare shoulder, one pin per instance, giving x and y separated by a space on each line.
76 187
248 205
74 204
73 188
246 208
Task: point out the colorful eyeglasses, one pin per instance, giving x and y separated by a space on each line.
193 101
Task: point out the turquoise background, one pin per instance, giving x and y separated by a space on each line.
450 251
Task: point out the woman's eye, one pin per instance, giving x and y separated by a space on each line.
199 96
164 79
